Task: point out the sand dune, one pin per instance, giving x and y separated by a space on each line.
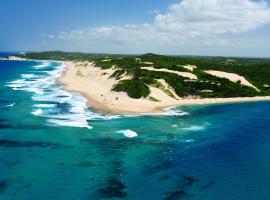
189 67
232 77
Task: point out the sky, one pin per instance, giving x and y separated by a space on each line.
172 27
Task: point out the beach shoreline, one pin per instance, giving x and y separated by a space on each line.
95 85
140 107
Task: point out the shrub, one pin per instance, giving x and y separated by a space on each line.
134 88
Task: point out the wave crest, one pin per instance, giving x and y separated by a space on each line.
60 107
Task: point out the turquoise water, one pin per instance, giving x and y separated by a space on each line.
53 147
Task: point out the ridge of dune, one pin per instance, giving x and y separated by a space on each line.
189 67
232 77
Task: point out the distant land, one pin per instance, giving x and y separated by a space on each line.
150 82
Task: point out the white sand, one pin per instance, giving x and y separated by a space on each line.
189 67
232 77
15 58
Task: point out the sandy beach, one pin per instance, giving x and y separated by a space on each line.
95 84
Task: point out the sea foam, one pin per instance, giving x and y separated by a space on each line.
51 101
61 107
10 105
194 128
128 133
172 112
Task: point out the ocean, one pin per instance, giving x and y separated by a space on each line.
53 147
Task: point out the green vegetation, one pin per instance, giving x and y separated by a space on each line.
117 74
135 88
153 99
256 71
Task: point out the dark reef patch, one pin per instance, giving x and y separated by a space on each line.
114 189
181 193
21 144
164 178
158 168
188 181
5 126
207 185
3 101
177 195
86 164
3 185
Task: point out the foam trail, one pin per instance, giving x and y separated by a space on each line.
194 128
10 105
61 107
37 112
170 112
28 75
44 105
42 65
174 112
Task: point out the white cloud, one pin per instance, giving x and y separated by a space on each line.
202 21
218 42
212 17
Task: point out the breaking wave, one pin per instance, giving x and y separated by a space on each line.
61 107
52 101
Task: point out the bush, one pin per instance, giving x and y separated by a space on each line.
134 88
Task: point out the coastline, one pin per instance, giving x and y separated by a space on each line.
109 104
95 85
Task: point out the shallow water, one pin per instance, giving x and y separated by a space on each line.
53 147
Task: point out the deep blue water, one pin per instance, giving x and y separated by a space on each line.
53 147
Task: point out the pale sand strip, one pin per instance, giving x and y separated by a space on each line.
183 74
15 58
189 67
232 77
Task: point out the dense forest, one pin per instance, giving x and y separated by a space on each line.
255 70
